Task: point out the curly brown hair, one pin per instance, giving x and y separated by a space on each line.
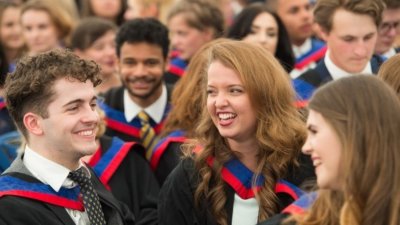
280 129
30 86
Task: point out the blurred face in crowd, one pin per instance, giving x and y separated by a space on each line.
10 29
141 66
102 51
139 9
324 147
351 40
264 30
108 9
186 40
297 17
388 30
39 31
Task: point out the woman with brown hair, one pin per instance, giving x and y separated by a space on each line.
112 10
353 140
94 39
45 26
250 135
11 39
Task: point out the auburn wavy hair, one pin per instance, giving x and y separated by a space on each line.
280 130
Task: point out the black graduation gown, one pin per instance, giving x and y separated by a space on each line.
176 203
20 210
133 182
166 155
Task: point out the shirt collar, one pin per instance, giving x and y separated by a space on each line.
47 171
338 73
391 52
155 110
302 49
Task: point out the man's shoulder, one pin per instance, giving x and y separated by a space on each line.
110 95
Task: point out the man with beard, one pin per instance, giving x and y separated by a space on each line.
136 111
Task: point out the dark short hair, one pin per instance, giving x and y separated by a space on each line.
89 30
148 30
30 86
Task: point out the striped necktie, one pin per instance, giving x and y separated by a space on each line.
147 134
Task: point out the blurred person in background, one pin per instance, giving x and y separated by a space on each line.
148 8
297 16
94 39
45 26
257 24
112 10
191 23
11 38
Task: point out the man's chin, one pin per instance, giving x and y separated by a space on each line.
141 95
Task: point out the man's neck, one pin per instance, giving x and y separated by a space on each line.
298 43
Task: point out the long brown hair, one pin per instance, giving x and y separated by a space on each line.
365 113
280 130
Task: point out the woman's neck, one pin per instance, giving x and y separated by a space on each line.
246 152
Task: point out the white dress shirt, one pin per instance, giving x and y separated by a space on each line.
338 73
245 211
155 110
298 52
54 175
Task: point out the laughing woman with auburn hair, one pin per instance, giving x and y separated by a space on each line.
250 135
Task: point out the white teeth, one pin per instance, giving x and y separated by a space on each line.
316 163
226 116
86 133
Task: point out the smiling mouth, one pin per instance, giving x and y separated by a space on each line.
226 116
86 133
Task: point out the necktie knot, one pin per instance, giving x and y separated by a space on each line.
144 118
79 176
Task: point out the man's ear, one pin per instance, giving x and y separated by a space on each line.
32 123
322 33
